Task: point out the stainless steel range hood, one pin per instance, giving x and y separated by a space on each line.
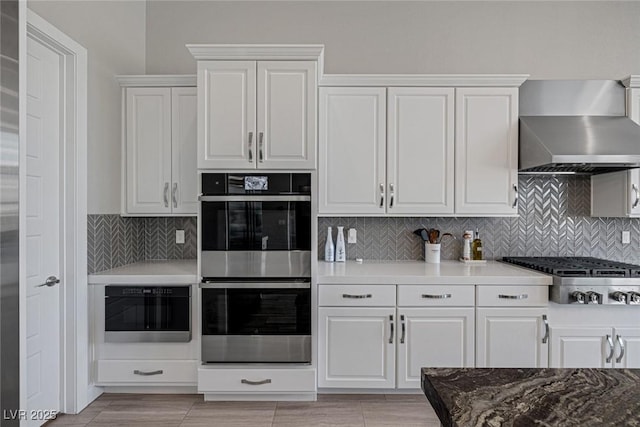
576 126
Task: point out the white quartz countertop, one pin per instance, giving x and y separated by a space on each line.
183 271
421 273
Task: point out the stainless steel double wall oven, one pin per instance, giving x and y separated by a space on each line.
255 255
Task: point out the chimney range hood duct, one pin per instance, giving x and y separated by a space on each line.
576 126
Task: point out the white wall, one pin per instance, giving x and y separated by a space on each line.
114 34
577 40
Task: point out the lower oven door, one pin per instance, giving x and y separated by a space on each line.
256 322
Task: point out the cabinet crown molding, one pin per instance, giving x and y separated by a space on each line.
632 81
311 52
442 80
159 80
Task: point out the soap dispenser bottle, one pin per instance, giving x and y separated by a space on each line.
341 255
329 250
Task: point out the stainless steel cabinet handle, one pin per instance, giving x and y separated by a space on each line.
621 344
635 190
174 194
546 329
245 381
390 195
521 296
51 280
356 296
381 195
166 194
391 329
515 200
442 296
403 329
610 341
250 144
146 374
260 147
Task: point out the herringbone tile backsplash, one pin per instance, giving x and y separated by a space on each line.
114 241
554 221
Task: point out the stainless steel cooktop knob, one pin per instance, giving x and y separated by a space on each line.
579 297
633 298
618 297
594 298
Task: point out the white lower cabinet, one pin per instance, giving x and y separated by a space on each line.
216 380
385 347
511 327
147 372
595 347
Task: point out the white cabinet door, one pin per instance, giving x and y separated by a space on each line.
633 104
352 155
511 338
148 150
580 347
356 347
184 188
486 151
286 114
433 337
226 114
616 194
630 339
420 155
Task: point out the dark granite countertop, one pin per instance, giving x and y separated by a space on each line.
533 397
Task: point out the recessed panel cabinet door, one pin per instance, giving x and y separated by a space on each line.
420 151
629 340
433 337
581 347
511 338
184 188
226 114
148 136
486 151
286 115
356 347
351 170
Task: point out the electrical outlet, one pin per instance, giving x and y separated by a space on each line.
353 236
180 237
626 237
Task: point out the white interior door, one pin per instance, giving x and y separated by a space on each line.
43 229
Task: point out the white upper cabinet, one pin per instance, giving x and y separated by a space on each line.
159 173
445 151
352 154
256 114
486 151
420 150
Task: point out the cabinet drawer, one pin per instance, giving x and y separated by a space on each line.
512 296
136 372
256 380
435 296
357 295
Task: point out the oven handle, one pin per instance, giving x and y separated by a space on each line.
260 198
255 285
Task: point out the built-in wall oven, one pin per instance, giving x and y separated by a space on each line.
255 258
147 313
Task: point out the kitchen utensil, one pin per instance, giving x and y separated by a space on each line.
434 234
445 235
423 233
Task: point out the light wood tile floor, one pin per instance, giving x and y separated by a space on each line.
341 410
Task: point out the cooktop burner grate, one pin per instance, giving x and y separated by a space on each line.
576 266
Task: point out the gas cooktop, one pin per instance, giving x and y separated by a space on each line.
586 280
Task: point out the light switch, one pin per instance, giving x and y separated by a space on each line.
626 237
353 236
180 237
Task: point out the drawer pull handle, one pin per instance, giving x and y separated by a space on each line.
356 296
245 381
442 296
146 374
521 296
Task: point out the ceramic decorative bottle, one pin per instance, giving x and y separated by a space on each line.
341 254
329 250
476 247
